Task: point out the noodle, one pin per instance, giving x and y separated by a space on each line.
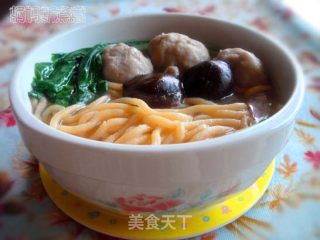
43 111
41 105
132 121
50 111
115 90
116 119
248 92
196 101
257 89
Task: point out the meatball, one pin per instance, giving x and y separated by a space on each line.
122 63
175 49
246 68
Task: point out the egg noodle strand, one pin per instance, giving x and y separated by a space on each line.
131 121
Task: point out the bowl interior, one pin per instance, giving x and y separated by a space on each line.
215 34
281 68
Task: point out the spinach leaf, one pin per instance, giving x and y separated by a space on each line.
141 45
74 77
90 73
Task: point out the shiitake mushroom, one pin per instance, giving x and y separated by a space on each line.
158 90
211 80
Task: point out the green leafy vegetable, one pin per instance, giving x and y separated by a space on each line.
74 77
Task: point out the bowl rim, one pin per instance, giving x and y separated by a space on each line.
280 118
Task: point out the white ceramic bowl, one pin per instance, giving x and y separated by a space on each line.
170 177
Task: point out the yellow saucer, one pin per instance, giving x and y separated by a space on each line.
184 225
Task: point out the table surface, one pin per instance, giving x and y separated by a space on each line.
290 209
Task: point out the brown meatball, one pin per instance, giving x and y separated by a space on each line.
246 68
175 49
122 62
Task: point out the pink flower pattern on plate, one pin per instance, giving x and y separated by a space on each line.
313 158
6 118
144 203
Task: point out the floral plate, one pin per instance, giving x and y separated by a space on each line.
166 226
